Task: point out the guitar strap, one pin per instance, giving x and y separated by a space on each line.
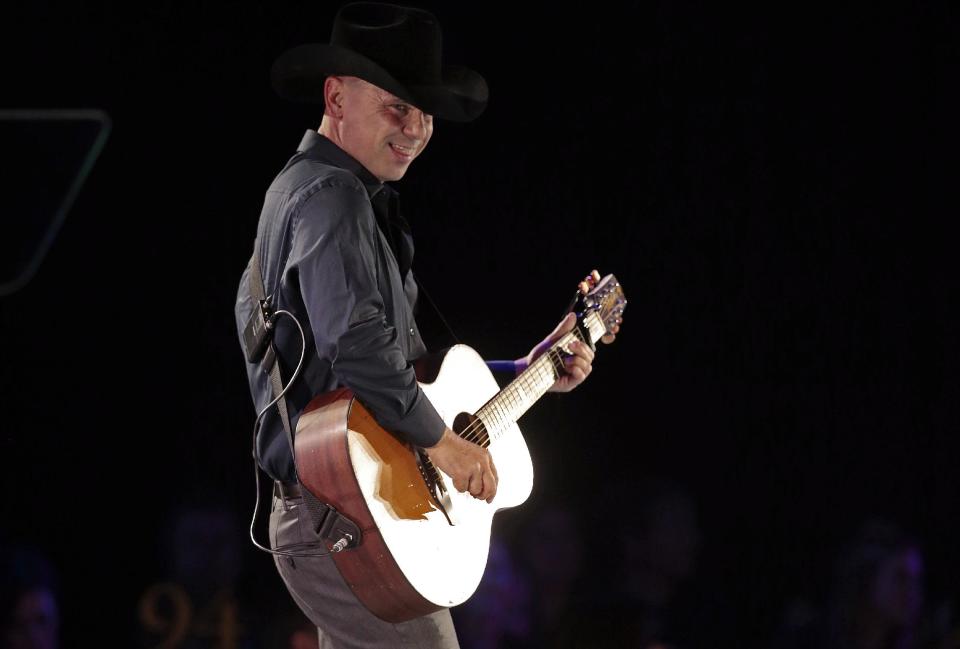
326 522
269 362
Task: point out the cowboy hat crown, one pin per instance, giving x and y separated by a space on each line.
393 47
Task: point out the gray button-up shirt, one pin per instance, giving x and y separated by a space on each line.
325 259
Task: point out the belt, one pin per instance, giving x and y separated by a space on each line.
287 490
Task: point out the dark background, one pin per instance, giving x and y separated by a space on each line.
772 188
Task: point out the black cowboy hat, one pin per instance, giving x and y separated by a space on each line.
393 47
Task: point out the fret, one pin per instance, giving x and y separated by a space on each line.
556 360
595 326
503 415
493 415
537 380
523 401
521 393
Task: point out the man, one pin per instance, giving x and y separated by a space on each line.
335 252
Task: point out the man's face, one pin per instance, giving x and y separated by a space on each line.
384 133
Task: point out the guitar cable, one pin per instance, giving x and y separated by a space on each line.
256 426
423 289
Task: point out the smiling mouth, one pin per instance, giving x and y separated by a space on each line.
404 151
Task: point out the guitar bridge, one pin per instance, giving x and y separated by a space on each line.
431 478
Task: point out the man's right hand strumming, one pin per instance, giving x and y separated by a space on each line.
470 465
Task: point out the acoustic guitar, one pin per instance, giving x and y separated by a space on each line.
423 544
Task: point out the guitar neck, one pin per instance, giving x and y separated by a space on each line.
515 399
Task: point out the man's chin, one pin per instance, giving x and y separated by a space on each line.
394 174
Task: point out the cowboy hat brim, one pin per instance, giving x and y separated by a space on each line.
298 74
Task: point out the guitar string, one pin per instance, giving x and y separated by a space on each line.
542 368
474 431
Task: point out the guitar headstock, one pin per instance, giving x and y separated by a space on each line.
601 305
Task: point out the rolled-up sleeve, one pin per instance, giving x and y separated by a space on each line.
334 253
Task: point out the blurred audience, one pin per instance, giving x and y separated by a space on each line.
551 550
594 576
289 628
196 605
203 550
641 563
29 599
876 602
497 616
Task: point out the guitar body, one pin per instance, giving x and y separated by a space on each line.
411 560
423 544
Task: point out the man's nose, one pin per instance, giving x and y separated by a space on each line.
415 126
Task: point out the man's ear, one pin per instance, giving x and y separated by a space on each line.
333 96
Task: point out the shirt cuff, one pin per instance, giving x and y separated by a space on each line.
503 366
422 426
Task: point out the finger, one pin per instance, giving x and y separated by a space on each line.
476 485
489 487
614 330
576 376
565 325
582 350
577 363
589 281
461 484
493 474
478 481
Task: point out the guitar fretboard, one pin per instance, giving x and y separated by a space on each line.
514 400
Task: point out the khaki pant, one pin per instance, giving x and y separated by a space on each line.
321 593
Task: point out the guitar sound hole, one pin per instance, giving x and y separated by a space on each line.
471 428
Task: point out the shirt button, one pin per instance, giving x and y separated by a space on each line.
411 331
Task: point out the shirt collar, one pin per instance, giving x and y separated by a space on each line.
319 147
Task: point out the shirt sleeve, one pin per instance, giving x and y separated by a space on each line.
334 252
